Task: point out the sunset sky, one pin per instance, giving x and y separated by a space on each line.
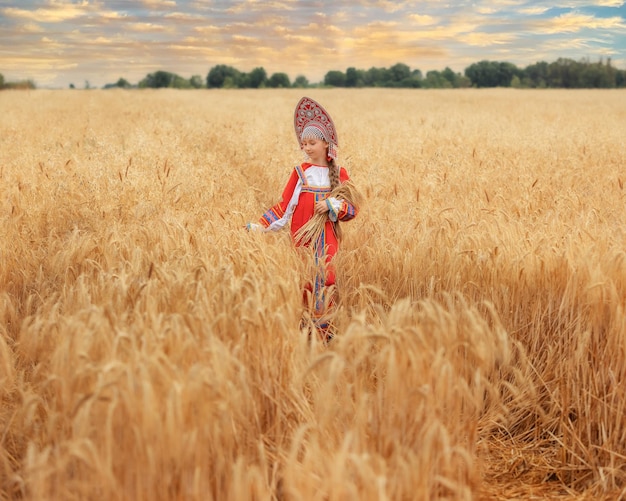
58 42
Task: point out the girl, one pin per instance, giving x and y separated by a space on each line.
317 196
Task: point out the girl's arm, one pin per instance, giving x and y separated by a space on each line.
276 217
341 210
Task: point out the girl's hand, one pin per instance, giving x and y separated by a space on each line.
321 207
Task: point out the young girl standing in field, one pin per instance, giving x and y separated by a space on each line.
317 196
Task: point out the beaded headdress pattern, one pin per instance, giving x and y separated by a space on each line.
312 120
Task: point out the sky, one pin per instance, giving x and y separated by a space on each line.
56 43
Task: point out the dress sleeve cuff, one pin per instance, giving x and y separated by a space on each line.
333 208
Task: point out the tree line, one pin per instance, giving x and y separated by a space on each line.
22 84
562 73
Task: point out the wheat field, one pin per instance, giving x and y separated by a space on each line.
150 348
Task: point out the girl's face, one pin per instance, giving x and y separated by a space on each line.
316 150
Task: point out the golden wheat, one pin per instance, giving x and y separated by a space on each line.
150 348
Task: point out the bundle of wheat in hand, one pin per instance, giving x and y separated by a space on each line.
311 231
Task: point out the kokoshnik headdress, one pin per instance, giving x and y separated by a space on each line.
312 120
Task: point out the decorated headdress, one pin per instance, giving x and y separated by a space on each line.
312 120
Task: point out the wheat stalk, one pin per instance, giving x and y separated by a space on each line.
311 231
149 349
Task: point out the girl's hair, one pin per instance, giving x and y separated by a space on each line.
333 172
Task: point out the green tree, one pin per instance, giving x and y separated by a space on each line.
562 73
218 74
449 75
436 80
279 80
301 82
179 82
121 83
257 78
399 72
555 75
376 77
158 80
242 82
506 72
355 77
196 82
230 83
611 71
352 77
492 73
1 81
536 75
482 74
411 83
597 76
335 78
163 79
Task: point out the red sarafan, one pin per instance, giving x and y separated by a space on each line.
313 203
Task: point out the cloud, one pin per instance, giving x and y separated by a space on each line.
423 20
610 3
208 29
534 11
158 4
245 40
31 28
111 15
577 4
573 22
307 37
146 28
479 39
561 45
252 6
185 16
389 5
56 12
